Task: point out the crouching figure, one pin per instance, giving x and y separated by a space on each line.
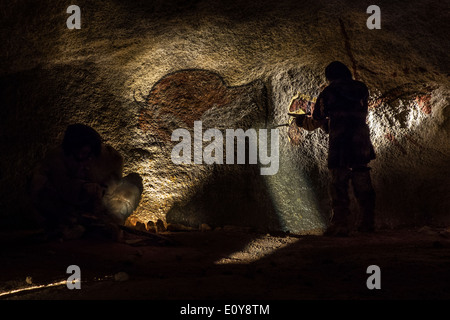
79 187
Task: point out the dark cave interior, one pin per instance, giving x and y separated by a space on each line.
138 70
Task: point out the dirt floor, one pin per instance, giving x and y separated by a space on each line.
232 264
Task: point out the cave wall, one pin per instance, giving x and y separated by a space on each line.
136 70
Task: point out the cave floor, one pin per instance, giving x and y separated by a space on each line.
232 265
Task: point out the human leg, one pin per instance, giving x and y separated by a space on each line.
338 190
365 195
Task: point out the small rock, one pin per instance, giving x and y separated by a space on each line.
130 222
121 276
140 226
151 227
160 226
204 227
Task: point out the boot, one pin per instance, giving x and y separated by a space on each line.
339 202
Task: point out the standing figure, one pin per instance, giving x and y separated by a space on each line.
341 110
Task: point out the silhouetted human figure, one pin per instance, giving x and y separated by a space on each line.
80 185
341 110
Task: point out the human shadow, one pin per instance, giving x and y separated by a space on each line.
229 194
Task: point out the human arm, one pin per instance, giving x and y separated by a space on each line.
315 119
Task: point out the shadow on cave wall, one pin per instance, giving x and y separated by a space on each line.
228 194
37 106
28 124
40 104
230 198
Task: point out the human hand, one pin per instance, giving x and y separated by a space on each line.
299 119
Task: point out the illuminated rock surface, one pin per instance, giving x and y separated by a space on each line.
137 70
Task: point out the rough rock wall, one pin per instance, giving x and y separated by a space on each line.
410 136
197 193
247 58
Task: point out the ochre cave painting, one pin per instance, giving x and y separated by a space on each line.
407 91
182 97
419 93
424 103
392 139
299 102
